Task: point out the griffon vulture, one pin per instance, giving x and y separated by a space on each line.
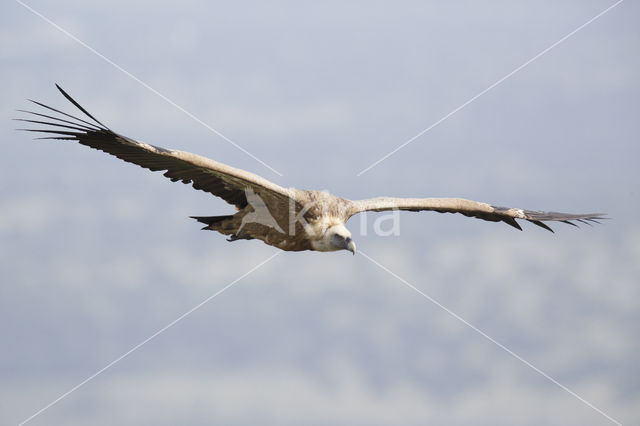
289 219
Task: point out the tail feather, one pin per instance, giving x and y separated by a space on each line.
210 220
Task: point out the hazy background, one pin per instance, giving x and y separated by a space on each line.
96 254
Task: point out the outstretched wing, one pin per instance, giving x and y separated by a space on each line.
204 174
472 209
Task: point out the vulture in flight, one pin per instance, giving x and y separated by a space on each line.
287 218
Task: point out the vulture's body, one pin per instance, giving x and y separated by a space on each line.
287 218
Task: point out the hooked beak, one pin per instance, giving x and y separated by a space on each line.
351 246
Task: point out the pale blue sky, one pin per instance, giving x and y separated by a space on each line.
96 255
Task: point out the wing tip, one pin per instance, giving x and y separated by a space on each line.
77 105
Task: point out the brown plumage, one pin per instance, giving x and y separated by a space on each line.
287 218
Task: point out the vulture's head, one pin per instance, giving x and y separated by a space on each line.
338 237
